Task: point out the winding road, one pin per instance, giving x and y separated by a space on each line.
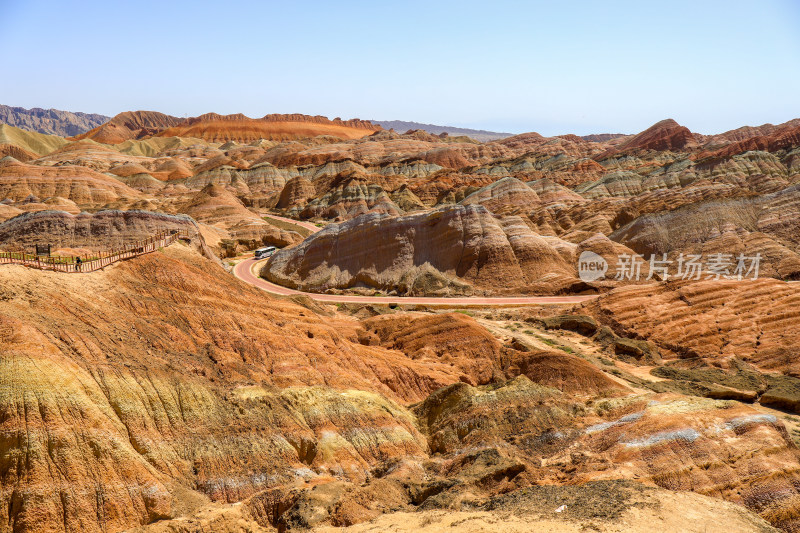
245 272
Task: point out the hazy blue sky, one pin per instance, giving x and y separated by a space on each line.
552 67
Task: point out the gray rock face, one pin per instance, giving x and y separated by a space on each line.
50 121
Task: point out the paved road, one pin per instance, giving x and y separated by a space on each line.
244 271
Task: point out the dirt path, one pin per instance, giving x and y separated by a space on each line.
307 225
244 271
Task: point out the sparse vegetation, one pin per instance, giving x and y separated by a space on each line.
288 226
549 342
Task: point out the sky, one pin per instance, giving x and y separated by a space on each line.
552 67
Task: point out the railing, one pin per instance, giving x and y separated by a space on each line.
95 261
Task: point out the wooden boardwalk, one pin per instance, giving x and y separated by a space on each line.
95 261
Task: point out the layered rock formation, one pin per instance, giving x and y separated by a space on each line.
218 207
214 127
163 393
505 196
100 411
663 438
100 231
602 137
621 187
129 125
83 186
460 341
349 199
715 321
662 136
296 193
220 128
449 250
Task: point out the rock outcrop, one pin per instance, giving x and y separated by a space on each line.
781 138
505 196
218 207
129 125
714 321
449 250
661 136
239 128
350 198
99 231
81 185
296 193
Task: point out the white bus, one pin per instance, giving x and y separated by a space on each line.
267 251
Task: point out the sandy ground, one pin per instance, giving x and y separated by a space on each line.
656 512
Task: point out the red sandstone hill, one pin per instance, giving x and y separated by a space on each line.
747 132
218 128
221 128
81 185
785 136
129 125
664 135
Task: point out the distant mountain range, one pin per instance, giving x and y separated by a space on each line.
50 121
69 124
402 126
